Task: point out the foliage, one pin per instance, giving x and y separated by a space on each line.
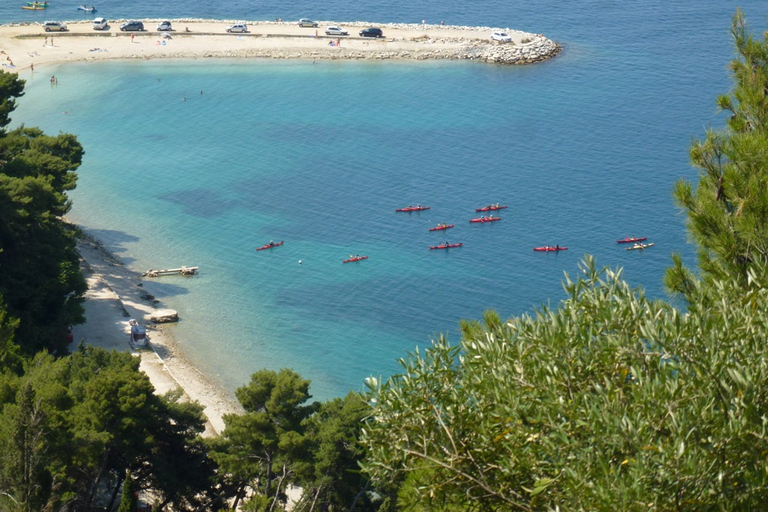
727 211
87 419
262 448
610 402
333 480
40 277
128 498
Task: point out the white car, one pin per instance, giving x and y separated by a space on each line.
335 31
238 27
100 23
164 26
502 37
54 26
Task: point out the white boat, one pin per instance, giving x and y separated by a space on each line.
139 336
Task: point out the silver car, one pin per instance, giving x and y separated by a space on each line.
335 31
501 37
238 27
304 22
54 26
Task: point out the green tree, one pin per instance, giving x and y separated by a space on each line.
333 480
727 210
128 498
260 449
25 481
40 277
609 402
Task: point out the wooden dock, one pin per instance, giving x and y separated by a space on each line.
181 271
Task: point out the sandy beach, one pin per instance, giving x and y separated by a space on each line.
27 46
115 295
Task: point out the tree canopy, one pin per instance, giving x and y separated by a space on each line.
40 278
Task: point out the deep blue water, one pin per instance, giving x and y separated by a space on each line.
584 149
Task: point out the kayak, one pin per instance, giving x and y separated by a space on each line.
270 245
639 246
485 219
356 258
490 208
34 7
412 209
441 227
631 240
86 9
445 246
548 248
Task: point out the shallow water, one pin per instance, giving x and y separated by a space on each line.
584 149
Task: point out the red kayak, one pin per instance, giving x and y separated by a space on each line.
490 208
485 219
632 240
441 227
412 209
270 245
549 248
445 246
355 258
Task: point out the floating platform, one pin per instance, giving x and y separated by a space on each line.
181 271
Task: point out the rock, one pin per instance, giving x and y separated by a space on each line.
164 316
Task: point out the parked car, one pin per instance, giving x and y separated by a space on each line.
502 37
164 26
335 31
100 24
132 26
238 27
54 26
304 22
371 32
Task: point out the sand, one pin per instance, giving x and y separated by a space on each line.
28 46
115 296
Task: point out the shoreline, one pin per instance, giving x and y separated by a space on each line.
115 295
115 292
27 44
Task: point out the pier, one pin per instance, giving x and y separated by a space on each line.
181 271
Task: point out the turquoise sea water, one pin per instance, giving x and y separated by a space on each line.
584 149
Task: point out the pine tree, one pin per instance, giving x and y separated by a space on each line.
728 209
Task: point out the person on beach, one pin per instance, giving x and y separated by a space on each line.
132 37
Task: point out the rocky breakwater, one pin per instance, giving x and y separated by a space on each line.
537 49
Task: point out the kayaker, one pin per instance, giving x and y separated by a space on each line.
271 243
557 247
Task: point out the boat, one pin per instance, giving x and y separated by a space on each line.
355 258
446 245
549 248
441 227
139 336
639 246
490 208
86 8
409 209
485 219
632 239
270 245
